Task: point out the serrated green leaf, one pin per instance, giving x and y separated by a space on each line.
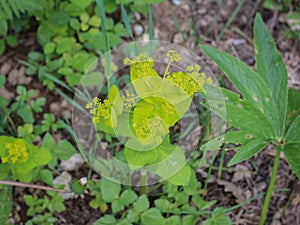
251 85
236 111
173 220
141 204
152 217
132 216
128 197
110 190
271 68
248 150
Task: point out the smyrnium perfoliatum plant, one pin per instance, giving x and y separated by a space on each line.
154 105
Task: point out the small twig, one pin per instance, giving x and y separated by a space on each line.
28 185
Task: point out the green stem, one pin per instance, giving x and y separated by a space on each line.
265 207
143 181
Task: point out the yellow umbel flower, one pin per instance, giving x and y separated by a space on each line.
129 100
17 152
173 56
99 109
151 129
141 66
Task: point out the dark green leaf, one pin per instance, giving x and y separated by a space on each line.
251 85
293 133
292 154
248 150
271 68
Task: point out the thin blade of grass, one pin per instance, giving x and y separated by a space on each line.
231 18
126 21
150 22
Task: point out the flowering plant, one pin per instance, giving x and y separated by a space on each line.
20 158
145 115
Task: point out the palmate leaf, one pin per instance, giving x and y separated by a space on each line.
271 67
237 112
251 85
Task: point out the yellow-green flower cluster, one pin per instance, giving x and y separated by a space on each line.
141 59
191 81
141 66
99 109
128 100
173 56
153 129
199 77
17 152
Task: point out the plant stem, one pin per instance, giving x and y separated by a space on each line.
265 207
36 186
143 181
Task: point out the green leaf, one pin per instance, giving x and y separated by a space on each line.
128 197
292 154
106 220
110 190
92 79
77 187
115 98
2 80
132 216
189 219
293 133
271 68
2 46
49 48
248 150
218 219
173 220
5 203
163 205
12 41
181 177
82 3
291 146
251 85
140 157
3 28
46 176
152 217
141 204
236 111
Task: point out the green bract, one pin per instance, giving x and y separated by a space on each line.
146 115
